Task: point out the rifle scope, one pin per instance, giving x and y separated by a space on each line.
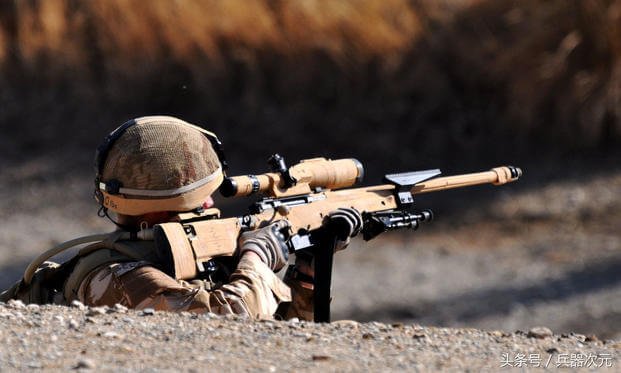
303 177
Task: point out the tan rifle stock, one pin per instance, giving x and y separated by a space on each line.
198 239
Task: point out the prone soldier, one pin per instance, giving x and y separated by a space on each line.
148 171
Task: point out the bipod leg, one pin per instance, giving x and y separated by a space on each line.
324 257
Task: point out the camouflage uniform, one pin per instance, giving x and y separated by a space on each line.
301 304
127 273
253 291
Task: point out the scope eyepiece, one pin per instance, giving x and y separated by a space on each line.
228 188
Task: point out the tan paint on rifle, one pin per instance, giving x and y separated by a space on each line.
496 176
218 237
310 216
309 173
184 265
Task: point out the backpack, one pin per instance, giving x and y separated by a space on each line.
48 282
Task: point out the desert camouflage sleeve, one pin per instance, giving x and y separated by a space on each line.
300 280
301 305
254 290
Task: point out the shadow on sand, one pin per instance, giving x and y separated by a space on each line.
471 306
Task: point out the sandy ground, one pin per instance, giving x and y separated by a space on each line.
112 340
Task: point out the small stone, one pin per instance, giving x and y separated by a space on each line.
111 335
73 324
16 303
85 364
321 357
208 316
591 338
77 304
53 338
119 308
127 349
31 324
96 311
148 312
33 307
347 323
540 332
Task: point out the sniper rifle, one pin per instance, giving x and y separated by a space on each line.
304 195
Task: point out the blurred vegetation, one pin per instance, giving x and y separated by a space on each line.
395 83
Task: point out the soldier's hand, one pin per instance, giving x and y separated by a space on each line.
345 223
268 243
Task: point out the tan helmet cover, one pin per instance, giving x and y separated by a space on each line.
161 163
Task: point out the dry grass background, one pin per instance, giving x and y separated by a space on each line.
399 84
423 81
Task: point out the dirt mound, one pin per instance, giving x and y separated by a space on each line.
60 338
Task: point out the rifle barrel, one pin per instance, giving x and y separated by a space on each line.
496 176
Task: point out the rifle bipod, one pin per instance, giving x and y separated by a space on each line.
322 282
376 223
325 241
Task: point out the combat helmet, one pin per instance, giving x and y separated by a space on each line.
157 163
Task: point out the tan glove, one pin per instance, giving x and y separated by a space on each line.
268 243
346 223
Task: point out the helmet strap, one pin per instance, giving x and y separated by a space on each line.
103 212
